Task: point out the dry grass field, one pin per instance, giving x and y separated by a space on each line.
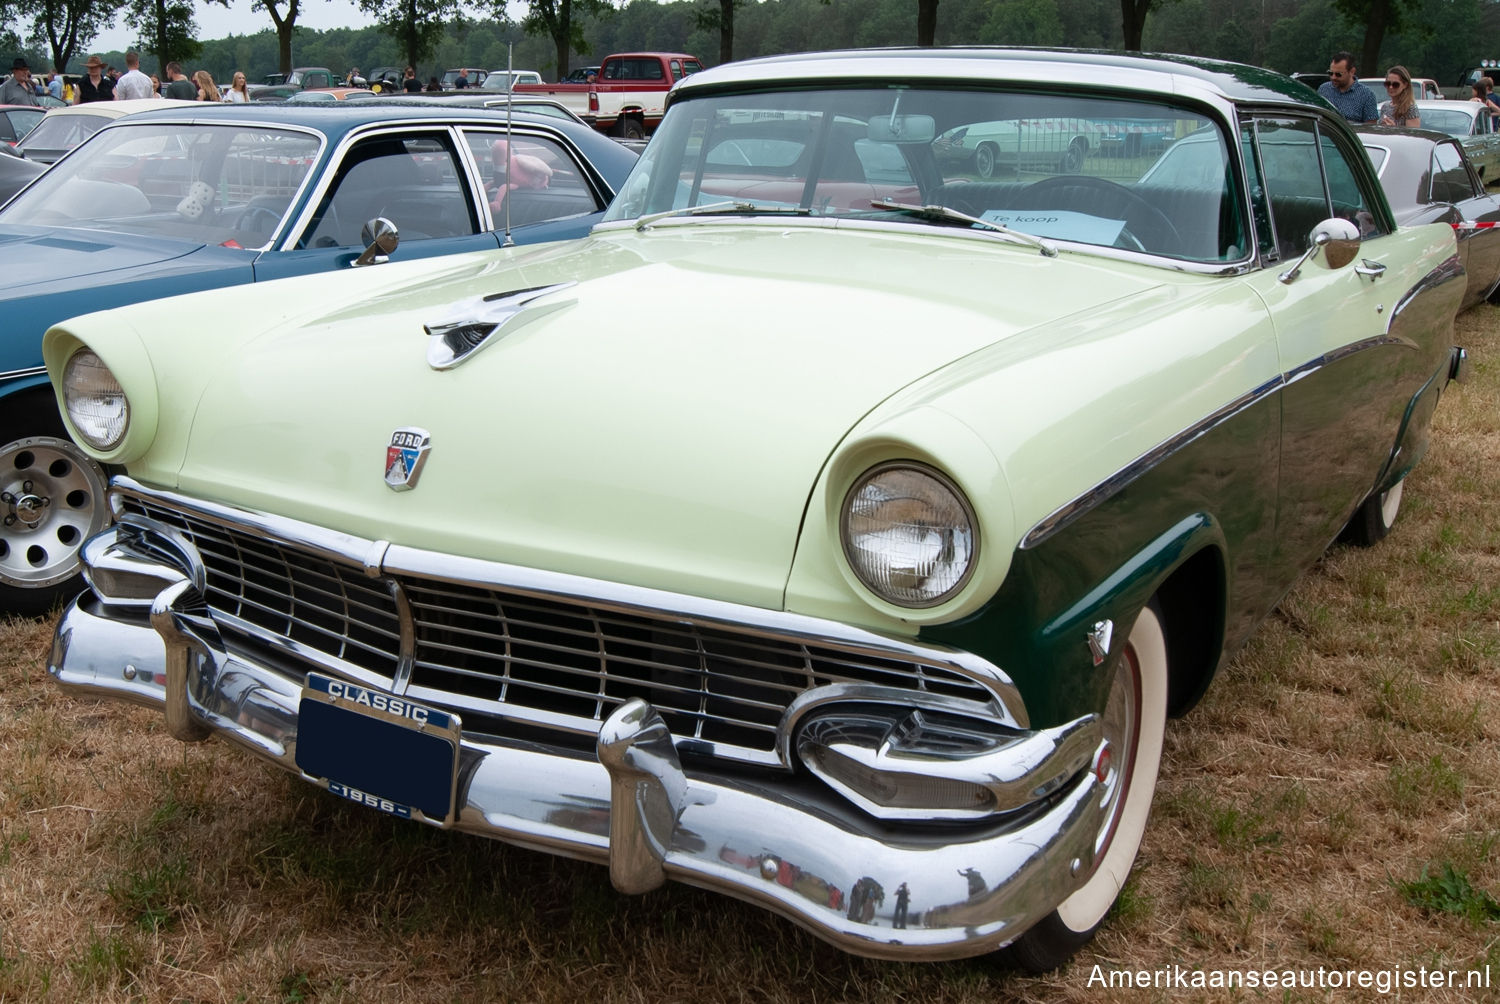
1333 803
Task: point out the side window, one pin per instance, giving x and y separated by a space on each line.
1349 200
1308 178
1260 203
1451 181
413 181
542 182
676 69
1293 179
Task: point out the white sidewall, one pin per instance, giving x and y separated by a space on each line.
1085 909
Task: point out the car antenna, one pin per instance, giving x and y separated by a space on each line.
510 79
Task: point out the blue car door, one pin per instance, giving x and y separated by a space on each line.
414 178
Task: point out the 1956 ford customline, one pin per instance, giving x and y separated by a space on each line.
857 576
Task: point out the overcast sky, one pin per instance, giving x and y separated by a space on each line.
216 22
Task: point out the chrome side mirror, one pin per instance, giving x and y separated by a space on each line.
1339 240
380 237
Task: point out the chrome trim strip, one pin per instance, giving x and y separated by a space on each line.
1007 706
930 229
1073 510
27 372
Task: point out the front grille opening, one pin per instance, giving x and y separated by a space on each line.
505 661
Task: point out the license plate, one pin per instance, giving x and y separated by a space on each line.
379 749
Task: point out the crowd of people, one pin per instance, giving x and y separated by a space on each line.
1355 102
102 82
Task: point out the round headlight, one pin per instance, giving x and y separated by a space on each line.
909 535
95 401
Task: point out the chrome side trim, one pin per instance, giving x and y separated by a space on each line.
28 372
1073 510
1007 706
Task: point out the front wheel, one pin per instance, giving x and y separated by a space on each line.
1134 722
52 499
984 160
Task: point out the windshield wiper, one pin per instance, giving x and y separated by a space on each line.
954 216
727 208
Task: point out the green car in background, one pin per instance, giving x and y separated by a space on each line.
832 528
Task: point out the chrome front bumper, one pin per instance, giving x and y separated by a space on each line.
786 843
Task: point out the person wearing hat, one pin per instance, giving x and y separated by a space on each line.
18 89
95 86
133 83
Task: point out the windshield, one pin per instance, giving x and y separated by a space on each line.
1454 123
220 184
1090 170
63 132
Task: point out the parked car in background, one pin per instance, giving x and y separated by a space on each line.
549 107
63 129
213 196
329 94
1468 121
386 78
495 80
475 78
580 74
17 120
1428 179
628 97
16 171
857 576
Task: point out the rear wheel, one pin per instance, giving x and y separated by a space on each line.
1134 721
630 128
1373 520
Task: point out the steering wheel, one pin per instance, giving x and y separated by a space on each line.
258 220
1111 190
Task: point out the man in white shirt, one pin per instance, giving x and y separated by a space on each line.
133 83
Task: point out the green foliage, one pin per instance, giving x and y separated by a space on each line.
1450 892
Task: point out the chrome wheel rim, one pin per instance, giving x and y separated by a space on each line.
51 501
1121 727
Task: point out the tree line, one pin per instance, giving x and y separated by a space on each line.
1433 38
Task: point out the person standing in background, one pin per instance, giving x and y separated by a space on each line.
238 92
54 84
1401 109
95 86
207 89
1343 90
17 90
178 85
133 84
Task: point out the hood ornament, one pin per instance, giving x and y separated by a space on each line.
405 456
472 323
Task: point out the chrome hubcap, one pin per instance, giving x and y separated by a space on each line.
51 501
1121 727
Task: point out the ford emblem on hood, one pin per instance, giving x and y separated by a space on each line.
405 456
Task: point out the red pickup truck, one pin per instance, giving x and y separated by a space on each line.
627 98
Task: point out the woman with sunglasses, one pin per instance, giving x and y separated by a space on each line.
1401 109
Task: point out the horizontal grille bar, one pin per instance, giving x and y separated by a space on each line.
494 655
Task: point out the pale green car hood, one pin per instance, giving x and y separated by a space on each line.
664 426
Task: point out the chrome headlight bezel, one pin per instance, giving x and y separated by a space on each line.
967 530
107 429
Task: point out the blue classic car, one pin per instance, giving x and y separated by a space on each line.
191 199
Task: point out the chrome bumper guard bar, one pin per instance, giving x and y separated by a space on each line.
917 893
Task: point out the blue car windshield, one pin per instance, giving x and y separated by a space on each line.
219 184
1133 174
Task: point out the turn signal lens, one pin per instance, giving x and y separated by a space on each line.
909 535
95 401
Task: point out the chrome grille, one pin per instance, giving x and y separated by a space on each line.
494 654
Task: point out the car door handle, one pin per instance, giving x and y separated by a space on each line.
1373 269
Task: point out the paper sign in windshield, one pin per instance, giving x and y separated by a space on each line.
1060 224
